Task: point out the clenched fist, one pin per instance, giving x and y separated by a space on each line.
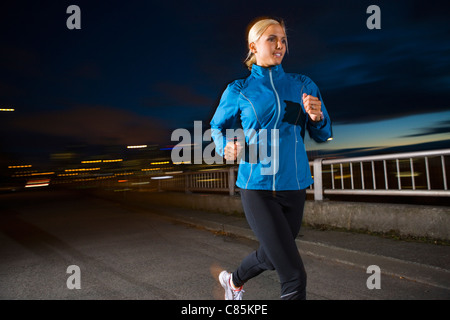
232 150
313 107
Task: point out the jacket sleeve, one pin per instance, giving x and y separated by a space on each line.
225 116
320 131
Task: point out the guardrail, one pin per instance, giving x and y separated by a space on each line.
401 174
221 180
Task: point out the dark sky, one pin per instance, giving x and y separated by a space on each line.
139 69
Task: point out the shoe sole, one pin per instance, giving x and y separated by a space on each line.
223 283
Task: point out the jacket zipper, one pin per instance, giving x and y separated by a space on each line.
276 122
296 139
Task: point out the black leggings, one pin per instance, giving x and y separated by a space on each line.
275 218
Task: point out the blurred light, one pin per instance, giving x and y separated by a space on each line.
32 174
82 169
24 166
330 138
161 162
37 183
162 177
62 156
34 185
406 174
98 161
178 146
202 170
344 176
42 173
7 110
207 180
136 147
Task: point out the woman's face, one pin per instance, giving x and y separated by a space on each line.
270 47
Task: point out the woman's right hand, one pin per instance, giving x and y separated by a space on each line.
232 150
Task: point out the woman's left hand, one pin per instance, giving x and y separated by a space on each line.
313 107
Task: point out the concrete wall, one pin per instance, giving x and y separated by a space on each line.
412 220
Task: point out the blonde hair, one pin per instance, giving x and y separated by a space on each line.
255 30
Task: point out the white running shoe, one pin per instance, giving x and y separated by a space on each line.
230 292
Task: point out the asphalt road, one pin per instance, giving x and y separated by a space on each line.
126 252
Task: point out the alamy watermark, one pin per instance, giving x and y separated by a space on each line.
374 21
262 146
74 20
373 281
74 280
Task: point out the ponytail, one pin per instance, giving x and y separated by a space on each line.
250 60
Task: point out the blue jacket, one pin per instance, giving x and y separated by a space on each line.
270 99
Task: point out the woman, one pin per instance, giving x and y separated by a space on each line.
274 109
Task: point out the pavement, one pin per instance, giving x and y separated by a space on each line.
129 247
419 261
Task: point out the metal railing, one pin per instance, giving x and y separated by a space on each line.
221 180
402 174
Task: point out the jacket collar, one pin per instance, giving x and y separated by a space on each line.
259 72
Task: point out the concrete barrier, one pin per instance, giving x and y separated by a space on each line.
406 220
403 219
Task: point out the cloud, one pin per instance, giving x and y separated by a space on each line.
92 124
20 62
88 70
441 127
173 94
400 70
9 91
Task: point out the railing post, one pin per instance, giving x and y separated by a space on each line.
318 192
186 183
231 181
